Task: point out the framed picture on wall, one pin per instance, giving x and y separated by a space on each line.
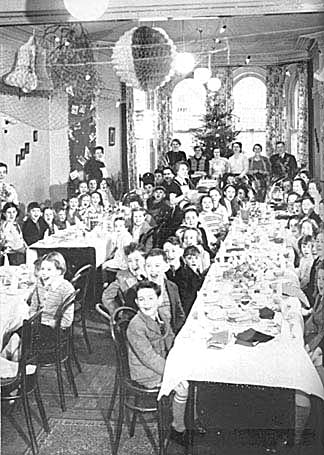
111 135
35 135
27 148
22 154
18 160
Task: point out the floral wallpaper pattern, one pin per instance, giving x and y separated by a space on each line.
276 125
131 145
302 119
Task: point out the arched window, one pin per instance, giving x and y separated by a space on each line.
249 94
188 109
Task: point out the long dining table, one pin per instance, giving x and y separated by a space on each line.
243 329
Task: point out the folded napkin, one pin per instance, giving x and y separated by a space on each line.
266 313
218 340
251 337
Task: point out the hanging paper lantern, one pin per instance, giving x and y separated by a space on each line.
184 63
214 84
143 58
85 10
202 75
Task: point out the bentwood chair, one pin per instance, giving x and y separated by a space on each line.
60 352
133 398
81 281
26 381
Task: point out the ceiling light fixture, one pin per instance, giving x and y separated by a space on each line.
247 60
222 29
84 10
184 63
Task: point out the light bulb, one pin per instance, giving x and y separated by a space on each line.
87 77
202 75
247 60
214 84
184 63
223 28
85 10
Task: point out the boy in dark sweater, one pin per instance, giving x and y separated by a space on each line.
188 278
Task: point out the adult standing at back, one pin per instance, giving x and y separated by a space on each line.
238 162
283 164
95 168
7 191
175 154
259 168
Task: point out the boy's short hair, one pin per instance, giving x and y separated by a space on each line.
173 240
191 251
191 208
4 165
132 247
33 205
308 197
155 252
159 188
119 218
146 284
57 259
304 240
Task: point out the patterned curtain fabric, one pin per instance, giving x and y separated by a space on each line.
276 127
131 146
302 119
163 109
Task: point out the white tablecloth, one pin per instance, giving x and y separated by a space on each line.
282 362
101 244
13 310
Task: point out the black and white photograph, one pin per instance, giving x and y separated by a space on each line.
162 227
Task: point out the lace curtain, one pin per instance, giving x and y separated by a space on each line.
302 118
276 126
131 146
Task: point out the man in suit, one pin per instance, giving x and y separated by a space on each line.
283 164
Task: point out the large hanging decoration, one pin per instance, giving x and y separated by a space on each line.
144 58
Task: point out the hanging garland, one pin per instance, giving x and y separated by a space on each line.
143 58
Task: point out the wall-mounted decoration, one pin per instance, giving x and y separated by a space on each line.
111 136
18 160
22 154
35 136
27 148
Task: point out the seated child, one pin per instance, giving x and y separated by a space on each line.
120 238
314 326
61 221
72 213
174 252
49 215
190 237
305 245
150 338
125 279
139 227
34 227
50 292
188 278
158 206
156 266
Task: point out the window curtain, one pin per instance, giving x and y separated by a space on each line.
302 118
276 126
164 130
131 145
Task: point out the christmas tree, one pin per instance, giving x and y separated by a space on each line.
217 130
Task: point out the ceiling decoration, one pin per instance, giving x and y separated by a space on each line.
143 57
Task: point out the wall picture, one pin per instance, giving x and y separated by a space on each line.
27 148
18 160
111 135
22 154
35 136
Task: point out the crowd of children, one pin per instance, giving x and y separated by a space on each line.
164 237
